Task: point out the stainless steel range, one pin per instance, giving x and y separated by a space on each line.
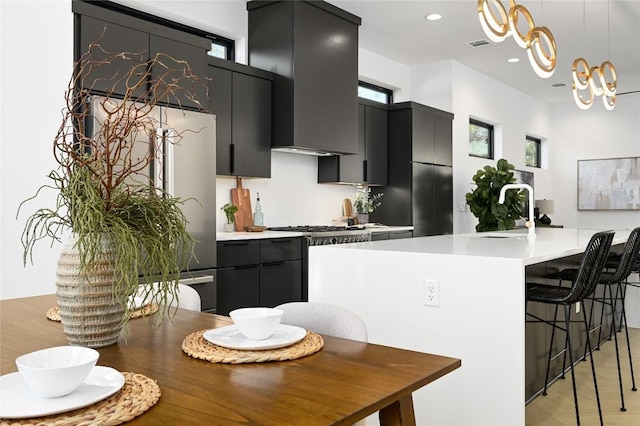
322 235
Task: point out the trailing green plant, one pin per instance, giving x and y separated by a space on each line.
483 200
105 194
229 211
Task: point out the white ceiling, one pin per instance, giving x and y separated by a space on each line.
596 30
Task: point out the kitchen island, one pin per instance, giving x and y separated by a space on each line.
455 295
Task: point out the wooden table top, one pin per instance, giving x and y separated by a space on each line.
342 383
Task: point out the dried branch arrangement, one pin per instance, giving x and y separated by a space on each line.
104 191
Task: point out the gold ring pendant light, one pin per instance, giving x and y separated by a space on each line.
595 81
538 41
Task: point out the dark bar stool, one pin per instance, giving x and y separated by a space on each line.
587 277
623 265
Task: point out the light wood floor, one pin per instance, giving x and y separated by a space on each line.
557 407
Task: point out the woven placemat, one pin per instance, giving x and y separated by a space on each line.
138 394
196 346
54 313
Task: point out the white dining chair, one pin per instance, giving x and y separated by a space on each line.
324 318
188 298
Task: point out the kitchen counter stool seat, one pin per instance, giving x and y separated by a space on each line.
591 266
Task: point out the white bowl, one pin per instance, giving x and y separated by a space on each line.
57 371
256 323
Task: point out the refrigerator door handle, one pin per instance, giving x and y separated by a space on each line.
197 280
169 162
158 173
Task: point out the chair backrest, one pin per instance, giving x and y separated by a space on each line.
187 297
591 266
629 257
323 318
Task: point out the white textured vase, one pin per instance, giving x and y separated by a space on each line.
90 315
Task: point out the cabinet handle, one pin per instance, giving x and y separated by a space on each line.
245 267
241 243
273 263
364 171
281 240
232 158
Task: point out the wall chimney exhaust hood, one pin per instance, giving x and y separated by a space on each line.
312 48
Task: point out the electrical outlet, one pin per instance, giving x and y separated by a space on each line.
432 293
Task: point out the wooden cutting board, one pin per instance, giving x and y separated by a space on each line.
241 198
347 208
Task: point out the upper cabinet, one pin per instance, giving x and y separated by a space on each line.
118 32
240 97
369 165
312 48
430 126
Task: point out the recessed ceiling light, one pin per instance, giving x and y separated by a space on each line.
513 60
433 17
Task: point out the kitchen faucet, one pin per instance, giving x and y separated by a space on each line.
531 224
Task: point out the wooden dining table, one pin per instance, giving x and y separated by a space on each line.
342 383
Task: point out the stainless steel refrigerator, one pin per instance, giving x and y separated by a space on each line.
186 170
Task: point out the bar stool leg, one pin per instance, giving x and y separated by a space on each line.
553 332
623 320
615 337
593 366
567 317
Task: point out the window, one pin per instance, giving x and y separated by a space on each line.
221 47
480 139
532 151
374 93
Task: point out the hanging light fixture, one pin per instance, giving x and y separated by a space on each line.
599 81
498 24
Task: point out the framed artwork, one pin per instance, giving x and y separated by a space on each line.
609 184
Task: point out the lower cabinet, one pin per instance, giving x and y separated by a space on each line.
378 236
259 273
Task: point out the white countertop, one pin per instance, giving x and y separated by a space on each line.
550 243
375 229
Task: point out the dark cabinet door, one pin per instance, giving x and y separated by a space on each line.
280 283
376 136
112 39
443 200
369 165
443 135
238 287
251 126
220 95
195 57
422 136
237 253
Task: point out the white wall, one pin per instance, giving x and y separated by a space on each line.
592 134
36 67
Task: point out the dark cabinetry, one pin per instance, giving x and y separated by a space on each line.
118 32
259 273
240 97
392 235
420 188
369 165
312 48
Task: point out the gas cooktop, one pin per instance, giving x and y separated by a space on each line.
321 235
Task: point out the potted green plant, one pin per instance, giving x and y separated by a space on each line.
229 211
365 203
483 200
128 237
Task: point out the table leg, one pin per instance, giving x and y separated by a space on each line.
399 413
